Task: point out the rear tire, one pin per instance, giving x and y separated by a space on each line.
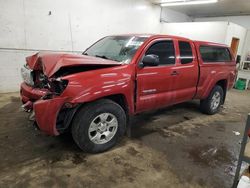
211 105
98 126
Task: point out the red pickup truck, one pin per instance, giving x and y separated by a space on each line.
94 94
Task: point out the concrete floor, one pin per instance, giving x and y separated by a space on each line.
173 147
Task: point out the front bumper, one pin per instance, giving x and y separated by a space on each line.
31 94
46 111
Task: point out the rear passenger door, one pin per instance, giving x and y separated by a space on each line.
155 83
187 71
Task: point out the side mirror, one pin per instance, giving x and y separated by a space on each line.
150 60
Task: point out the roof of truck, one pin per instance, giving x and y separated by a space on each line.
171 36
152 35
210 43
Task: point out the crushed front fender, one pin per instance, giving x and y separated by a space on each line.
46 112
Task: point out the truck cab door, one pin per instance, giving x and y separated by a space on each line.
155 83
187 69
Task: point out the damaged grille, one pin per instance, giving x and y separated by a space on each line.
54 85
41 81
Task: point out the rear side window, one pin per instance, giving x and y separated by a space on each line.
215 54
186 54
164 50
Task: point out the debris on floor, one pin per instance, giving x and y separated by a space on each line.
236 133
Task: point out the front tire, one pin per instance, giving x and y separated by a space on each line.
98 126
211 105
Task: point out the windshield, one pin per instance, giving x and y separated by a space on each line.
117 48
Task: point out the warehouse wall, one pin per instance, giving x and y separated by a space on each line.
240 20
27 26
220 32
208 31
168 16
239 32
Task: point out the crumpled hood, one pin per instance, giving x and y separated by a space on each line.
50 63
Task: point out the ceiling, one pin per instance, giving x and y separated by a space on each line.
222 8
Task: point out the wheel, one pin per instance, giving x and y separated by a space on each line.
98 126
211 105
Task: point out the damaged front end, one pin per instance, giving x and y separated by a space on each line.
37 85
46 92
41 96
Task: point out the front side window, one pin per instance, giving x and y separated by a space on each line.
164 50
116 48
186 55
215 54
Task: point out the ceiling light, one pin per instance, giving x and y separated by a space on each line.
186 2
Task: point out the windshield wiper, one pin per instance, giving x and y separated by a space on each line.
102 56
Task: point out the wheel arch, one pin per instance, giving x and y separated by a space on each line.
66 116
223 83
121 100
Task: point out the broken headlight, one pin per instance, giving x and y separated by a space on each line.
27 75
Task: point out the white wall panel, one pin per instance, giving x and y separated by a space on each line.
11 62
206 31
90 22
219 32
236 31
240 20
12 31
169 15
44 31
26 26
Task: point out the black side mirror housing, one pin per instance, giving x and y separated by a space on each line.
150 60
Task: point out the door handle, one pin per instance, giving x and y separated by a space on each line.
174 73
